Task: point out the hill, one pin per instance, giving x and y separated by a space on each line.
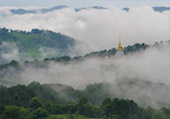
40 44
20 95
33 44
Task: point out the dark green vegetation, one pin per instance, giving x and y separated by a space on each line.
57 93
29 43
103 53
34 44
37 101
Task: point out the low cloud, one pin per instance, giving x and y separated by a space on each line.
143 76
9 52
100 29
138 76
46 52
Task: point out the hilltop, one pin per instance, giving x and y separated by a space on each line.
33 44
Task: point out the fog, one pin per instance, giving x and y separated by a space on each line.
142 76
150 65
10 52
99 29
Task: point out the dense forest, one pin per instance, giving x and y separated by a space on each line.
37 101
31 43
36 38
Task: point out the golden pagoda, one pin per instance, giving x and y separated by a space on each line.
119 47
119 52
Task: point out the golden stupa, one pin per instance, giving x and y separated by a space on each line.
119 47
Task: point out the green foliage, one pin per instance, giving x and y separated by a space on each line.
166 111
48 106
13 112
114 109
96 93
83 101
66 116
57 109
30 42
159 115
17 95
120 109
38 113
106 107
134 48
41 101
72 108
85 108
35 103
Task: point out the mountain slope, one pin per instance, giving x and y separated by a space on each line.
31 43
95 93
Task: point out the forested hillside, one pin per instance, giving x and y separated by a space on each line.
33 44
56 101
40 44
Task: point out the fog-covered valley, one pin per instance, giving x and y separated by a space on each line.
138 76
65 59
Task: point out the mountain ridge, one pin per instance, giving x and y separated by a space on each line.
22 11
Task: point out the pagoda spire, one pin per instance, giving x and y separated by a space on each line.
119 47
119 52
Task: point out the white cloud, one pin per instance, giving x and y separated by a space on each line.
10 52
135 76
100 29
46 52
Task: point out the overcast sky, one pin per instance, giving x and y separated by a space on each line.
83 3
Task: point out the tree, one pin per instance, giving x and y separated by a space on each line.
56 109
48 106
120 109
106 101
39 113
35 103
85 108
72 108
83 101
106 107
149 112
166 111
159 115
13 112
126 109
